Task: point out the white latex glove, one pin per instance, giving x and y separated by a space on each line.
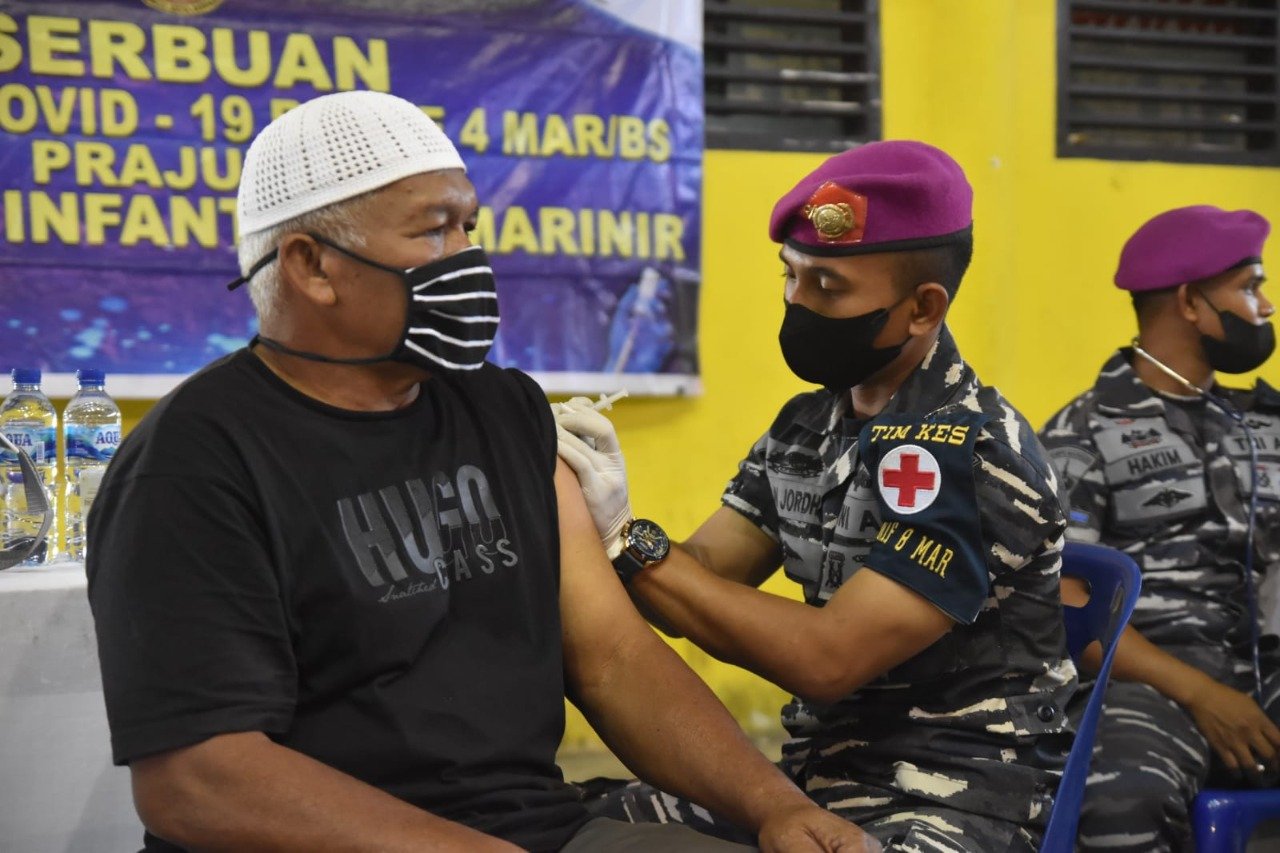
588 444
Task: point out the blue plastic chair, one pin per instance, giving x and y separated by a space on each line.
1114 581
1223 820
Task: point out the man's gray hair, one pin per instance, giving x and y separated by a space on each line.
338 221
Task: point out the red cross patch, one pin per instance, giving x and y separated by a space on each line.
909 479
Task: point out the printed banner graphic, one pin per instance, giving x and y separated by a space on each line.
123 127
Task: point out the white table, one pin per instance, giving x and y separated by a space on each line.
58 789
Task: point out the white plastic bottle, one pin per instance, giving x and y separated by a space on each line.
29 421
91 434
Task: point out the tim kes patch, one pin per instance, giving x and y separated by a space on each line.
930 536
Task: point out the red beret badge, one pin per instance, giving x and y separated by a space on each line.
838 215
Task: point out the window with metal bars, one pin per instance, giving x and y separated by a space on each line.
791 75
1180 80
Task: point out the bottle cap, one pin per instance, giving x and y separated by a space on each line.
26 376
90 376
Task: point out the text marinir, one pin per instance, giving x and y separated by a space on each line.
135 219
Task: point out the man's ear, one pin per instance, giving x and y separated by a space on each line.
302 269
1187 305
931 302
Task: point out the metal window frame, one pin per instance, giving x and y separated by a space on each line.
1065 125
868 110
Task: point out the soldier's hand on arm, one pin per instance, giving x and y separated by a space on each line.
727 543
658 716
587 442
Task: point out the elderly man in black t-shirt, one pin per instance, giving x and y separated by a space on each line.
341 584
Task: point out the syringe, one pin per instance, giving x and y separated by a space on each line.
605 403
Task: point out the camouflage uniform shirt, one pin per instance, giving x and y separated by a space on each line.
948 492
1166 480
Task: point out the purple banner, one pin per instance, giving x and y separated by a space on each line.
123 125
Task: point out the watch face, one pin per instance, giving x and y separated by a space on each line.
648 540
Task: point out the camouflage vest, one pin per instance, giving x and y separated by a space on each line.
1166 480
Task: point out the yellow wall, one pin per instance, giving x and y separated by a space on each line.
1036 316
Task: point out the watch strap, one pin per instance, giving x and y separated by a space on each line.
627 565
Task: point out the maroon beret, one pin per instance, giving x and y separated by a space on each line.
880 197
1189 244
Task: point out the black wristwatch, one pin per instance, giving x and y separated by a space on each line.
643 544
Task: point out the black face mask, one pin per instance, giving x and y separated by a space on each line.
835 353
1243 347
451 313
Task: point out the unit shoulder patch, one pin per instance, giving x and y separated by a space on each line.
930 536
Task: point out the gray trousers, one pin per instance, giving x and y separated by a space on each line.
897 821
611 836
1149 762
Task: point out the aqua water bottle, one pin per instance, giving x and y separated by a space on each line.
30 422
91 434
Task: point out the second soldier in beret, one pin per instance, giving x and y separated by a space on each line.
1150 463
913 505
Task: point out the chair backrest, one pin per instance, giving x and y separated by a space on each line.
1114 581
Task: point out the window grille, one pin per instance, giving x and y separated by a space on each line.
799 75
1180 80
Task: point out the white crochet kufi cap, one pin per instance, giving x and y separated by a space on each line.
333 148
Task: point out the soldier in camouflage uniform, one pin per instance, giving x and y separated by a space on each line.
916 509
1149 467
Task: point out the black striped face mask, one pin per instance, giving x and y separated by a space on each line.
451 313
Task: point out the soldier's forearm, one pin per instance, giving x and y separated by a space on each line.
732 622
1138 659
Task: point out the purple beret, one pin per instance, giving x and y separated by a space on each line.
880 197
1189 244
